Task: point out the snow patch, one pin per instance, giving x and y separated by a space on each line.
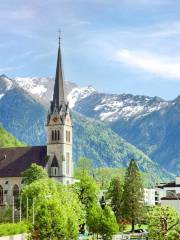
32 85
1 95
79 93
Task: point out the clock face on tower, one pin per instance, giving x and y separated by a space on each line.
55 119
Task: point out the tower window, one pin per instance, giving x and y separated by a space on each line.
55 135
68 136
54 171
58 135
67 163
52 135
1 194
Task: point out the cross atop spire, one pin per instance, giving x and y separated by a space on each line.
59 37
59 92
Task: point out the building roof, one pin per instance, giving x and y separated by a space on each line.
59 93
14 161
171 184
172 197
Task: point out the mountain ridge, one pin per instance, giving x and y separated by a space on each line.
143 121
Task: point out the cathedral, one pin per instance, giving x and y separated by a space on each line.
56 157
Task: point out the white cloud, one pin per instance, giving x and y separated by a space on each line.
159 65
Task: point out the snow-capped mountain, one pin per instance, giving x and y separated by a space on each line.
41 88
149 123
111 107
79 93
5 85
88 101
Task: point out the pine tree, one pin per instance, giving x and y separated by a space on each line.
115 195
133 195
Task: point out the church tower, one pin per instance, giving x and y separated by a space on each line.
59 130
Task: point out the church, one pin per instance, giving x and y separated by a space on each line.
56 157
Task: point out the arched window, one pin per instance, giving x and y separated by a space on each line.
16 191
58 135
55 135
1 195
16 194
67 163
52 135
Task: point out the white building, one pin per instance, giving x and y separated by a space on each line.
169 194
149 196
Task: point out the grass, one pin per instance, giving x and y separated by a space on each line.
7 229
142 226
8 140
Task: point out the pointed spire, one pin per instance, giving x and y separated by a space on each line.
59 93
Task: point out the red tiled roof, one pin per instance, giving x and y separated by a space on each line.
14 161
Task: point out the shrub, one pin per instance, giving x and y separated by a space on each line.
7 229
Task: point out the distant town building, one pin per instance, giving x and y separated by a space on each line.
56 157
149 196
171 192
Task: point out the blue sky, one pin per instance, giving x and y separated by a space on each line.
117 46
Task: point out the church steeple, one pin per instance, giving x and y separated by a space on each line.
59 93
59 130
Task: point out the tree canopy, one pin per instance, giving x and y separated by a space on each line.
57 210
164 223
35 172
87 191
133 195
115 195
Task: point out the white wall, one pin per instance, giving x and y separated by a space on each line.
172 203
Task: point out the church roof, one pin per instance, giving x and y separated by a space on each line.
59 92
14 161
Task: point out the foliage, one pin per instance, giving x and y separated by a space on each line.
133 195
93 218
5 214
87 191
84 166
108 225
35 172
99 142
103 176
58 211
102 222
12 229
115 195
164 223
8 140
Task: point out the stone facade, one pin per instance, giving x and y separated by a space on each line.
9 187
60 146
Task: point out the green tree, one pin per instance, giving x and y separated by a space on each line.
104 175
133 195
102 222
93 218
115 195
84 166
35 172
57 210
164 223
87 191
108 225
